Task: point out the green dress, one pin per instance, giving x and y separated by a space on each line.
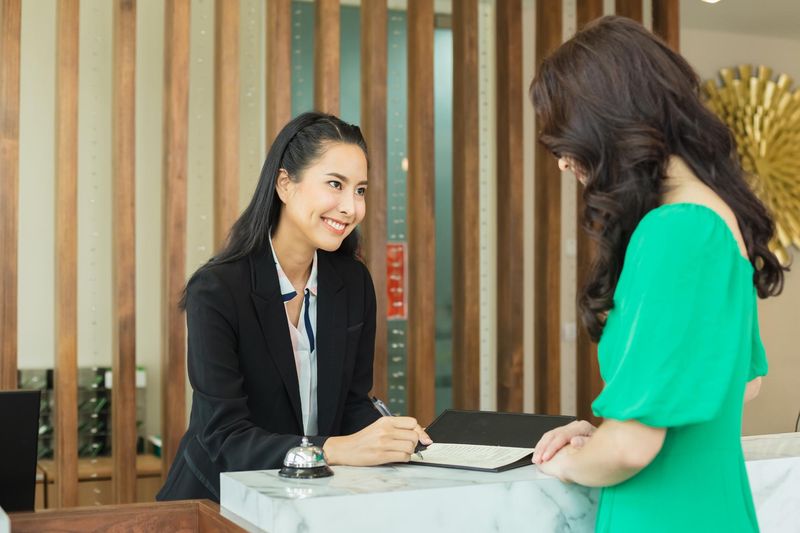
677 350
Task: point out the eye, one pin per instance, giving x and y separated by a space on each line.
361 191
335 184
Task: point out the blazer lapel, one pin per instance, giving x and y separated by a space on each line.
271 313
331 341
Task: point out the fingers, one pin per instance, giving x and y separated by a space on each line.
555 439
401 422
424 438
579 441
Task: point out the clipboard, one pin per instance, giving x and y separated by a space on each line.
490 428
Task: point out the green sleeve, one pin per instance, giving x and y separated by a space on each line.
679 321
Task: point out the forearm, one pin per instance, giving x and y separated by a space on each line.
616 452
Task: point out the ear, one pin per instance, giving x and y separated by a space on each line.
283 185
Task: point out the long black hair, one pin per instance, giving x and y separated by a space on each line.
298 145
619 102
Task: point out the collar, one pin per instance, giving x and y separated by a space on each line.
288 291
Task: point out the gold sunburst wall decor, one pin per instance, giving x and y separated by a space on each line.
764 115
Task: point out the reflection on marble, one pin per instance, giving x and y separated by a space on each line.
401 498
405 498
5 525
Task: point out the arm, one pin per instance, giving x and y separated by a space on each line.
229 437
616 452
752 389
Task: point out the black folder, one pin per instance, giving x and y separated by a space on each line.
19 418
490 428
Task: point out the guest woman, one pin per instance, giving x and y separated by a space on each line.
281 323
681 256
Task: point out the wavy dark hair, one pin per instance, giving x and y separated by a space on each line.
619 102
299 144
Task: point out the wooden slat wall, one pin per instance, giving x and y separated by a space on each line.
466 203
374 59
420 209
326 56
666 21
174 166
279 66
510 303
66 297
547 241
226 118
123 403
589 383
10 11
632 9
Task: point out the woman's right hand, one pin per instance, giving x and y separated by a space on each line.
574 433
390 439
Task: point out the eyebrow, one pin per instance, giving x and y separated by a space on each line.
345 178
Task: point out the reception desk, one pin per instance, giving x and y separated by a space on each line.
405 498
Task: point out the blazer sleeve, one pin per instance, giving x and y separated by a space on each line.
227 434
358 410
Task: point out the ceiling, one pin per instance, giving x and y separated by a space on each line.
777 18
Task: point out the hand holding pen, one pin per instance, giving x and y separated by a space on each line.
424 439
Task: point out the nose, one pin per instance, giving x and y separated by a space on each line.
347 205
562 164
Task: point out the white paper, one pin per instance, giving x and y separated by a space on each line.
469 455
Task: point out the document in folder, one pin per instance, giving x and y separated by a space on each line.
484 440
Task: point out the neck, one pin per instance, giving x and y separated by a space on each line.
294 255
679 175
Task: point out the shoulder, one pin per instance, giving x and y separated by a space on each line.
683 230
222 279
352 271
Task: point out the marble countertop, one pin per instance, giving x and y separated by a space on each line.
396 497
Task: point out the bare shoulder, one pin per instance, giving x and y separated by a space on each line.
687 188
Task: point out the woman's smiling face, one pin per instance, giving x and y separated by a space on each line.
327 200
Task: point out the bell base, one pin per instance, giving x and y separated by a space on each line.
305 473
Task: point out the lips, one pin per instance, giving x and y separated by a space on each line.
334 225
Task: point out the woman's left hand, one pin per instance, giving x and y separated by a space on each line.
557 466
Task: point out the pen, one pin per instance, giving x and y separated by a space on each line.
384 411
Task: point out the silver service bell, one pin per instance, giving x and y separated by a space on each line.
306 461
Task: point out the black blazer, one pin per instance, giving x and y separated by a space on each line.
246 399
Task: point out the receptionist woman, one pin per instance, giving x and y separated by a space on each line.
682 252
281 323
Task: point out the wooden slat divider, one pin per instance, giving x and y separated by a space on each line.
226 118
66 296
420 208
510 302
174 170
327 21
374 58
667 22
10 14
547 241
633 9
466 203
279 66
123 402
589 384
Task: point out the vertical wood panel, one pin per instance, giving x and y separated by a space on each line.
420 210
326 56
66 297
466 185
174 170
589 383
632 9
10 11
123 404
510 302
547 241
279 66
666 22
226 118
374 59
